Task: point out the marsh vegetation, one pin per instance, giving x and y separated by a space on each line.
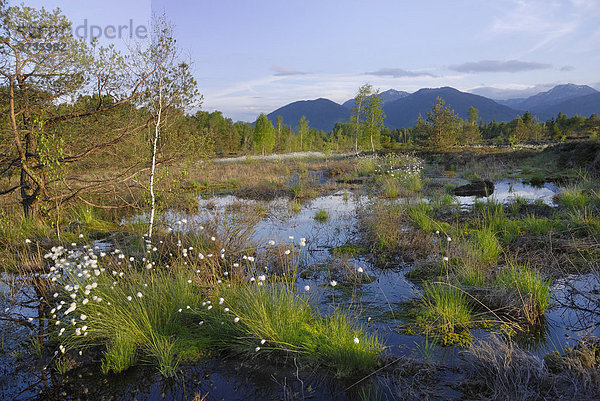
356 276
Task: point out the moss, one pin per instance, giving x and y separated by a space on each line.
426 271
350 249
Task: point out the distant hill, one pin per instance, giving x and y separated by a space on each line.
321 113
545 100
388 96
403 112
402 108
583 105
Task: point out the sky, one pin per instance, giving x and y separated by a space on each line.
254 56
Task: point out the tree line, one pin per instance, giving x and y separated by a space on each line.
80 119
441 127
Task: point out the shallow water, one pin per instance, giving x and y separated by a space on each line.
377 305
508 190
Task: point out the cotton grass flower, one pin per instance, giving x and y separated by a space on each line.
356 340
333 283
236 319
257 349
307 288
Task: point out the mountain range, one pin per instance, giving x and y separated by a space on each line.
402 108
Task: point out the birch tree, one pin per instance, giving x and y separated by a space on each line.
357 111
374 119
170 88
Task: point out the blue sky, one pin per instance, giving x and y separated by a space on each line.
255 56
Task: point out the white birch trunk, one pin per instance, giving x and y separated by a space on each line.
153 169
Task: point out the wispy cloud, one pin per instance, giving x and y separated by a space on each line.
538 23
499 66
567 68
399 72
282 71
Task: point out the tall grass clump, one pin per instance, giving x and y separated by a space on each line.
133 311
584 222
485 247
446 311
275 319
471 275
421 214
572 198
494 218
390 187
366 166
321 216
538 226
527 286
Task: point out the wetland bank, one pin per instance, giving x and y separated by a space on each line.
346 277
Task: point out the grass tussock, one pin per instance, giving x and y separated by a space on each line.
385 230
277 320
421 215
136 318
162 314
446 312
485 247
499 370
531 291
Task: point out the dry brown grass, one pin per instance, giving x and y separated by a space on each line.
385 229
498 370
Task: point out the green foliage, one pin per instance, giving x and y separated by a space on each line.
358 112
120 354
366 166
538 226
528 285
421 213
472 275
130 324
442 127
264 135
302 131
321 216
288 323
485 246
572 198
373 121
446 308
